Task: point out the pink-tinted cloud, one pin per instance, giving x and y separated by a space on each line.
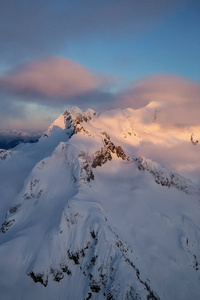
53 77
169 115
176 98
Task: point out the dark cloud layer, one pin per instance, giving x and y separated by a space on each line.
43 27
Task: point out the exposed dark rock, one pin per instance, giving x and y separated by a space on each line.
40 193
6 225
195 262
28 196
74 257
13 209
89 296
106 135
73 123
110 296
95 287
93 234
39 277
104 155
107 142
4 154
34 183
101 157
91 263
78 254
86 173
90 175
57 275
120 152
65 269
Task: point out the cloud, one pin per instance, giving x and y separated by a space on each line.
53 78
167 109
175 98
44 27
45 87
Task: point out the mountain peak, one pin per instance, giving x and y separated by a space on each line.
73 115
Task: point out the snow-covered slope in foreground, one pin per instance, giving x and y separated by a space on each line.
83 218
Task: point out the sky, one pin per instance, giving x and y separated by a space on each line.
101 54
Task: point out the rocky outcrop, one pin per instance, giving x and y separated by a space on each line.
74 119
4 154
86 174
6 225
101 157
71 121
39 277
105 153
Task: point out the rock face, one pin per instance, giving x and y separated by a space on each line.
105 154
71 121
4 154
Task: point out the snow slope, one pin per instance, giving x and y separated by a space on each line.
83 217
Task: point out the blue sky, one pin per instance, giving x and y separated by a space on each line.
172 45
112 44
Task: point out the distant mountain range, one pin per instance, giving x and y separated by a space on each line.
11 138
83 216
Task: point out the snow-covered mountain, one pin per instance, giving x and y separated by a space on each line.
84 217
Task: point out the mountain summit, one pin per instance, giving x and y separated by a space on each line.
84 217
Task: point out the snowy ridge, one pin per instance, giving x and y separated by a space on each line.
167 178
